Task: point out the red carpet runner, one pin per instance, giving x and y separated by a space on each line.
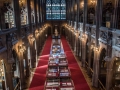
77 76
40 72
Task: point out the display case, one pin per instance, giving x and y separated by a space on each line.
52 84
58 74
52 72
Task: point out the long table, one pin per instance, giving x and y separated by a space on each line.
58 75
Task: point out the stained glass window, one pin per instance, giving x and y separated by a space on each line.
55 9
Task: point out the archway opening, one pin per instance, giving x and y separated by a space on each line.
102 68
116 74
15 69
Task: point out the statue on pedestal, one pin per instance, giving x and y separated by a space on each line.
56 34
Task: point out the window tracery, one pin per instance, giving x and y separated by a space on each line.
8 15
55 9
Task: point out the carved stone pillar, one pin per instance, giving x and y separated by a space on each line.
85 15
89 61
95 70
98 19
78 11
8 75
35 8
109 76
27 67
83 53
75 43
29 15
77 46
21 67
80 52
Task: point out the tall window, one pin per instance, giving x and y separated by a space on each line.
55 9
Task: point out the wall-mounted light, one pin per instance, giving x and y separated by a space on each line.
93 2
82 4
32 39
96 49
119 68
116 58
75 7
37 33
92 46
21 2
21 48
1 71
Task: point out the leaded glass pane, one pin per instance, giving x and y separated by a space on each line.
55 9
63 9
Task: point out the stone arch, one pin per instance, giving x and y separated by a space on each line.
115 74
102 67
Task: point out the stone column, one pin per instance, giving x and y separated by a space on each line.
95 70
83 53
35 8
83 33
78 11
17 17
85 15
29 15
96 60
40 11
75 41
21 67
98 19
73 2
27 67
109 76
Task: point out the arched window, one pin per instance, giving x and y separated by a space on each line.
55 9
